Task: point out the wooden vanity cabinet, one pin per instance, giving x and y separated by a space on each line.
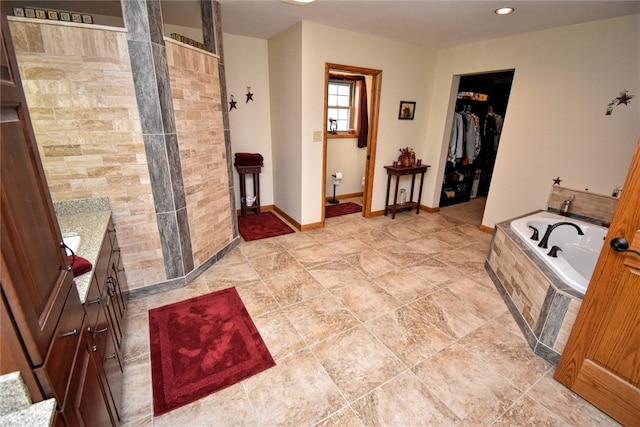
67 351
54 374
35 278
105 311
86 403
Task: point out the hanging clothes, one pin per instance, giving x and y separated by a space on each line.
465 140
456 142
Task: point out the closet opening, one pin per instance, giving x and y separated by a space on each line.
480 113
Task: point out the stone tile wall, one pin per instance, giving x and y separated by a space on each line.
524 283
197 104
585 203
81 96
544 313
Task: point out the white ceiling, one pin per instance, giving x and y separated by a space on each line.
429 23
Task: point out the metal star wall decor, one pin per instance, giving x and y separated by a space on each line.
623 99
557 181
232 104
249 94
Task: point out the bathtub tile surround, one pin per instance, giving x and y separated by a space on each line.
543 306
598 207
441 348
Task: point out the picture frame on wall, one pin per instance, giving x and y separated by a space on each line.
52 15
41 14
87 19
65 16
18 11
407 110
29 13
76 17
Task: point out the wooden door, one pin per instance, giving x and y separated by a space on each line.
34 274
601 361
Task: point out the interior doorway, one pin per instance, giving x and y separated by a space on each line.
480 113
364 180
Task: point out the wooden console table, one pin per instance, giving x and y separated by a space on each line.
243 171
399 171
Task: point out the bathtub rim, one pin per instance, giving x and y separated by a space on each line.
556 281
574 277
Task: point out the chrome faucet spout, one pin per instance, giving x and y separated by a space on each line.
545 239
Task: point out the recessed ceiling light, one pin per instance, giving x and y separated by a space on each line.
504 11
298 2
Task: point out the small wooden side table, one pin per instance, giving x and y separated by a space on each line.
399 171
243 171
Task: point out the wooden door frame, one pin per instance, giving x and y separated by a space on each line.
369 172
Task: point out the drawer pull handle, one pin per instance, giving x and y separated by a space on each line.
113 356
70 334
100 331
95 301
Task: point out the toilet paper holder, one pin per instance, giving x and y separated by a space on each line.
337 176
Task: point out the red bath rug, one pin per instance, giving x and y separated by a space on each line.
202 345
341 209
267 224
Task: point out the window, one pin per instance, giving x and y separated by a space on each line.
340 107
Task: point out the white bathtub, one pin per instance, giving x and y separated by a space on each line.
577 260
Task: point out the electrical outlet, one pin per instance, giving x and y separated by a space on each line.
317 136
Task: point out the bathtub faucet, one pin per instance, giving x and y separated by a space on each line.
550 228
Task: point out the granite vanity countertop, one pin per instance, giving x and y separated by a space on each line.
16 408
39 414
87 218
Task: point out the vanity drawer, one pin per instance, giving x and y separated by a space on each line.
55 371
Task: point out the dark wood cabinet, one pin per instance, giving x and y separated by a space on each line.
54 374
35 278
63 349
86 403
105 306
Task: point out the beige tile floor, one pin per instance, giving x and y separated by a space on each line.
371 322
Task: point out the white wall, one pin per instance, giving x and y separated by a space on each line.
343 155
406 71
247 64
285 61
555 124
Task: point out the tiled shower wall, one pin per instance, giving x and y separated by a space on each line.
195 87
79 88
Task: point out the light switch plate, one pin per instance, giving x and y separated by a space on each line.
317 136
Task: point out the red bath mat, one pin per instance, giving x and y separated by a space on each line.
267 224
341 209
202 345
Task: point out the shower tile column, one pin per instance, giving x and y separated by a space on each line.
212 37
143 19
